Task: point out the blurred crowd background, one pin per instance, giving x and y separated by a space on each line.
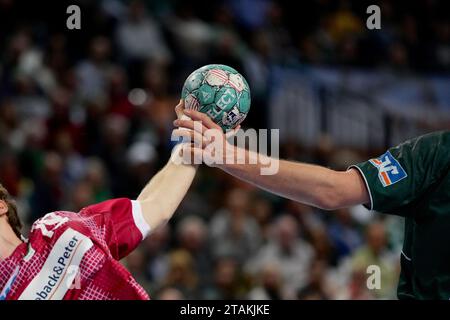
86 115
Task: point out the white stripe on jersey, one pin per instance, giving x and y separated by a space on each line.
138 218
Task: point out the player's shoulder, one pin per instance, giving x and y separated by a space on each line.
431 150
445 136
437 142
433 139
108 205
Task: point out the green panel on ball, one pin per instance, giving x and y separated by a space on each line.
244 102
206 94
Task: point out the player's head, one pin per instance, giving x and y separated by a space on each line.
9 210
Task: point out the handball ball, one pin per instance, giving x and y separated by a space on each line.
219 91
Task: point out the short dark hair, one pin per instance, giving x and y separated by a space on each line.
13 217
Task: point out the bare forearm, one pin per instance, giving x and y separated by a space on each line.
311 184
155 180
163 194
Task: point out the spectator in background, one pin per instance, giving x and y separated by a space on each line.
139 36
343 233
22 59
141 158
32 152
308 218
48 193
227 46
181 274
9 172
234 232
119 103
96 176
228 282
262 212
156 248
11 134
81 195
192 37
157 110
56 70
135 263
317 287
192 236
251 14
279 37
31 65
357 286
441 51
170 293
398 57
257 64
293 254
344 23
375 253
61 120
93 72
112 148
74 165
268 285
323 246
335 39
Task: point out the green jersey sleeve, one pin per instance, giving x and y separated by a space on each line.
406 173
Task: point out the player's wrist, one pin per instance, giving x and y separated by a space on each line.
177 157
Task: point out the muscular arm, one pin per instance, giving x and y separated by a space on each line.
314 185
162 195
311 184
164 192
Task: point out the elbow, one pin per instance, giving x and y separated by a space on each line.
328 204
340 190
330 196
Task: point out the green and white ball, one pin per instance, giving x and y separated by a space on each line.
219 91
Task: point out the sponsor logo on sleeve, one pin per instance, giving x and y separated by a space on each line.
389 169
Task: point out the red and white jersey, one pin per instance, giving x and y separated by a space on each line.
76 255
